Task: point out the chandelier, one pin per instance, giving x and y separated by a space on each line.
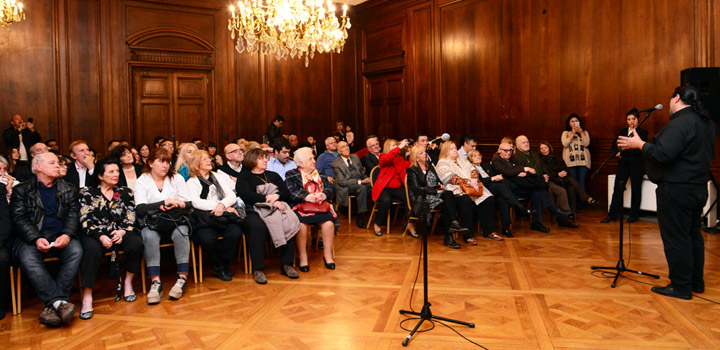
10 11
295 28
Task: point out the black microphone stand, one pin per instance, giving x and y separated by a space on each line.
425 314
613 154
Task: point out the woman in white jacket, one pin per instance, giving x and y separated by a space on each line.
216 212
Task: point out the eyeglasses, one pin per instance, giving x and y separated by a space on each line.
506 149
234 151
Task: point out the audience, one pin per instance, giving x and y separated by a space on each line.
340 132
217 160
372 159
45 213
21 135
161 198
217 213
281 162
181 164
576 153
52 145
129 170
23 170
13 159
6 179
311 190
351 180
107 217
144 153
234 156
558 172
80 173
469 144
327 157
390 183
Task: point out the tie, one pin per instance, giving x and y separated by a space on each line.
349 163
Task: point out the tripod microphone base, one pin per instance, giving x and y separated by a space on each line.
426 315
619 269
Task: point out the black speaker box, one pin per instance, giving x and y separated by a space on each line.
707 81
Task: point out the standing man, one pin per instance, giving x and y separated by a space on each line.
327 157
21 135
678 161
274 131
351 180
281 162
81 170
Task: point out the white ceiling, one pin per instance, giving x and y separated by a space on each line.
351 2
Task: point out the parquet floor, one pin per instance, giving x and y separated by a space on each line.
535 291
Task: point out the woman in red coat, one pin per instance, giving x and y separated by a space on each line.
390 183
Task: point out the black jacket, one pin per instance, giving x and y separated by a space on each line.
122 180
418 188
28 211
630 155
12 139
682 151
73 177
5 221
370 161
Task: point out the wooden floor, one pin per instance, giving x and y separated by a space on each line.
535 291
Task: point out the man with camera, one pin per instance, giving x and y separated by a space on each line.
21 135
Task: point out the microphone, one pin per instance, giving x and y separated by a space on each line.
657 107
444 137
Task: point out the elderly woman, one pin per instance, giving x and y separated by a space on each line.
252 177
576 154
559 175
310 188
214 202
5 177
181 164
457 173
427 193
389 184
160 193
107 216
129 170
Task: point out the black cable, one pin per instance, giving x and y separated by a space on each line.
417 273
458 333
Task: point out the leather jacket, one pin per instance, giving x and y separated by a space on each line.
28 211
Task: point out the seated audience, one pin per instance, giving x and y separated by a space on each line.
21 135
216 158
326 158
310 187
181 166
498 186
263 191
526 157
45 213
216 213
13 158
525 183
469 144
234 156
558 172
457 174
351 180
160 191
427 193
23 171
281 162
129 170
80 173
53 145
63 162
390 182
144 153
6 179
372 159
107 218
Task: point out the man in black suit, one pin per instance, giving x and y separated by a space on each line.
80 172
372 159
350 180
21 135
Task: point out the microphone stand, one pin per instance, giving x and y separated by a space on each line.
613 154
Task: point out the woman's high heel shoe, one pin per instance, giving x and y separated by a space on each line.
305 268
608 219
330 266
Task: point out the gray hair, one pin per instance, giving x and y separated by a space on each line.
328 139
302 155
3 160
39 158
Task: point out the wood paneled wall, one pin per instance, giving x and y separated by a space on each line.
503 68
70 66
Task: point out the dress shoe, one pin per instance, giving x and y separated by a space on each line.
669 291
506 232
329 266
522 210
536 226
568 223
559 212
699 289
450 242
50 318
632 219
66 311
220 272
228 270
287 270
608 219
456 228
360 221
305 268
259 277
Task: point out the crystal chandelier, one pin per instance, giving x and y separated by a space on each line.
10 11
283 28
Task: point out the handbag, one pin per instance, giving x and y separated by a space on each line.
205 218
471 191
314 208
165 221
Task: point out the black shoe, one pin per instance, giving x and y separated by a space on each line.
632 219
456 228
522 210
329 266
536 226
568 223
2 314
559 212
450 242
219 271
360 221
669 291
305 268
608 219
696 289
228 270
506 232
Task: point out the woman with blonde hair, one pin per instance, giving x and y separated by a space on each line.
181 164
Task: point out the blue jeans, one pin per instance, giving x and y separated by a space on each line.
579 173
48 289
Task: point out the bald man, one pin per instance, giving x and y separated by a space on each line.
234 155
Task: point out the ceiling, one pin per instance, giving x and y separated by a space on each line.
351 2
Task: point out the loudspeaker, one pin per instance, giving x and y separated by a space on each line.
707 81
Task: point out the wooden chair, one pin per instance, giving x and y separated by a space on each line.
434 212
350 198
13 299
18 295
373 176
245 258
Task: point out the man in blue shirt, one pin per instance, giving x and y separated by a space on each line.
327 157
281 162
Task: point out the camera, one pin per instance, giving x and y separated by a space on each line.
30 120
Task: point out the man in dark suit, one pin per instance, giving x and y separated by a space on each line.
21 135
350 180
372 159
80 172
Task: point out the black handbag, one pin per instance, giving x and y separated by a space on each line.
205 218
165 221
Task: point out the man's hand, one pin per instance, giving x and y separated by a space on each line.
365 181
62 241
30 126
89 161
497 178
332 181
522 174
634 142
562 173
618 155
106 241
42 245
529 170
547 178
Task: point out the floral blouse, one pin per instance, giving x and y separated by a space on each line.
100 216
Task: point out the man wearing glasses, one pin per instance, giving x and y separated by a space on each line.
234 156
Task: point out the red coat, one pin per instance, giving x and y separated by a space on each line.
390 164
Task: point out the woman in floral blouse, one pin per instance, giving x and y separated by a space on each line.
107 216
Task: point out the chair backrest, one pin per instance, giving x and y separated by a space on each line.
407 195
374 174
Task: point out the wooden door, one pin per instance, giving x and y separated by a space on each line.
172 104
384 104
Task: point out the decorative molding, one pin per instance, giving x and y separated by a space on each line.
383 64
141 52
170 57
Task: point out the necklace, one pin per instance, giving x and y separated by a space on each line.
264 178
